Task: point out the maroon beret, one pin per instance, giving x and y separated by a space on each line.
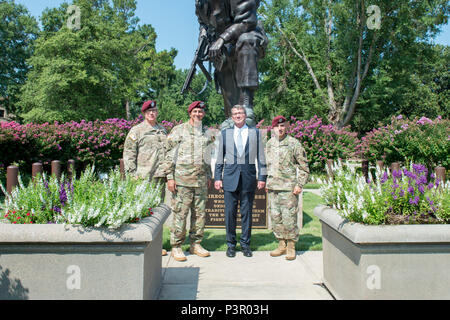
148 105
277 120
196 104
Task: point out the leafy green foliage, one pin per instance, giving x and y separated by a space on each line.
324 60
93 72
18 31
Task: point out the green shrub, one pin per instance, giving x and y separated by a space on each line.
421 140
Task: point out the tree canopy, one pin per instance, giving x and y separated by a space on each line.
344 58
18 30
94 72
350 62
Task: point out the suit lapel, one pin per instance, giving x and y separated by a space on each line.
230 147
251 144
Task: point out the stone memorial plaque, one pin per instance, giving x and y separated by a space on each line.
215 210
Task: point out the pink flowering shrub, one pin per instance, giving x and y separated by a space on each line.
323 142
421 140
98 142
86 142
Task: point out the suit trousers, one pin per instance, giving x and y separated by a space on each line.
245 199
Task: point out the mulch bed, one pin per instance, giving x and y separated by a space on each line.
395 219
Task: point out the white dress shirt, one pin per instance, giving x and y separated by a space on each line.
244 135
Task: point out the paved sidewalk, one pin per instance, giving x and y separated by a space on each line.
258 278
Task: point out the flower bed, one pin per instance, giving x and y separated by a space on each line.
86 200
406 196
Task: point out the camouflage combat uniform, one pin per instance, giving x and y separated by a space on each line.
144 153
187 162
283 158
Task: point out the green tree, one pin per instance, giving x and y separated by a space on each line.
341 48
18 31
100 71
415 84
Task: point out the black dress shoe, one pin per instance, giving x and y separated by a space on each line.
247 252
231 252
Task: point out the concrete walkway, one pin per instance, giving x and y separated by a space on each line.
258 278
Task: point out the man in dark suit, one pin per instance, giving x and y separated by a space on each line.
235 171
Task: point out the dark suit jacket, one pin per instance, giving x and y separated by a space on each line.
229 166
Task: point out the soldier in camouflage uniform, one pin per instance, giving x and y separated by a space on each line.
144 149
288 171
188 176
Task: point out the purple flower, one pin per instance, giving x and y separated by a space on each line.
384 178
411 190
421 180
418 168
414 201
397 173
421 189
62 195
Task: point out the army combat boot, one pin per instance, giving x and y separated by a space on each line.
178 254
290 252
280 250
197 249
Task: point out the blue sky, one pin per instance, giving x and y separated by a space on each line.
175 24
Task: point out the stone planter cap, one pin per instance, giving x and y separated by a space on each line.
144 231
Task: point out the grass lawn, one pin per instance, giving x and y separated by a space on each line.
312 185
264 240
